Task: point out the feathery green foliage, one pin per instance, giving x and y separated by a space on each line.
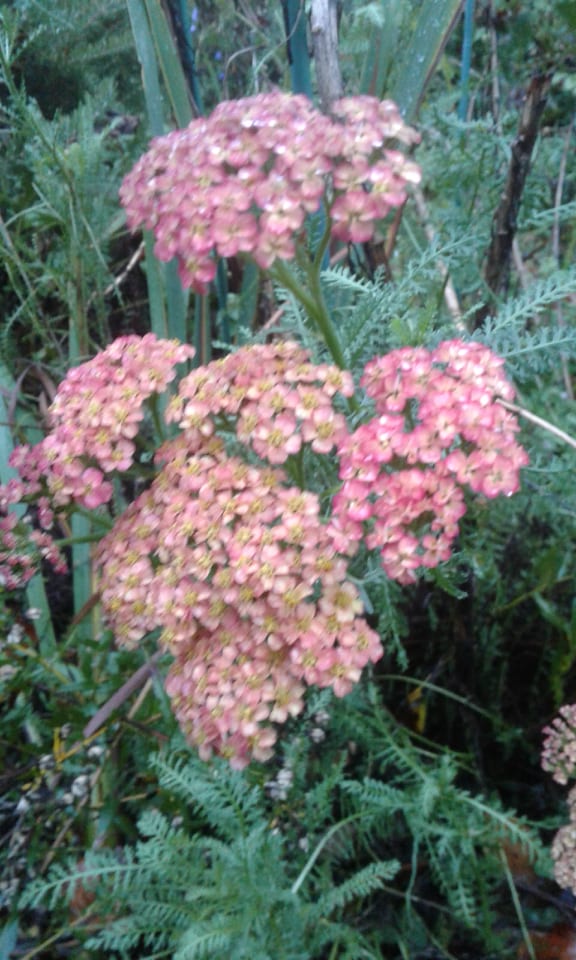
201 894
231 874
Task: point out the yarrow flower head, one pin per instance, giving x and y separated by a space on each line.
94 418
22 549
240 573
559 750
439 428
559 759
277 399
232 562
243 180
564 849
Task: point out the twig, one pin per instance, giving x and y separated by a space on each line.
556 251
494 70
120 696
545 424
146 669
505 219
120 279
56 936
519 264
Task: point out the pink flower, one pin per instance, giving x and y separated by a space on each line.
276 439
228 568
440 428
243 180
93 490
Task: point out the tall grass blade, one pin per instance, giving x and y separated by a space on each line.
169 62
383 49
417 59
168 303
146 53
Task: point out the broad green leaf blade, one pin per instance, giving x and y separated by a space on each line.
147 56
169 62
82 573
177 303
8 938
384 45
297 43
168 303
417 62
155 281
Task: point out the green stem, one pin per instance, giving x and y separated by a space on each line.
313 303
95 517
324 240
319 848
73 541
154 407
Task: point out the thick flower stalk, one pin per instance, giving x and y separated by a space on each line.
439 428
243 180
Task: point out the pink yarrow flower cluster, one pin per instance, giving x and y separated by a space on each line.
439 428
243 180
271 395
243 578
93 420
559 750
564 849
228 557
232 562
22 549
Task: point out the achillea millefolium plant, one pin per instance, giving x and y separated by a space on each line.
231 552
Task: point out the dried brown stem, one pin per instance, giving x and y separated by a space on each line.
539 421
504 224
556 251
120 696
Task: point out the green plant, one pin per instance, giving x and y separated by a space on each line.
223 868
400 790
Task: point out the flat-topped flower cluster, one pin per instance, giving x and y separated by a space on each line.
438 430
240 572
93 421
226 553
244 179
559 750
559 759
